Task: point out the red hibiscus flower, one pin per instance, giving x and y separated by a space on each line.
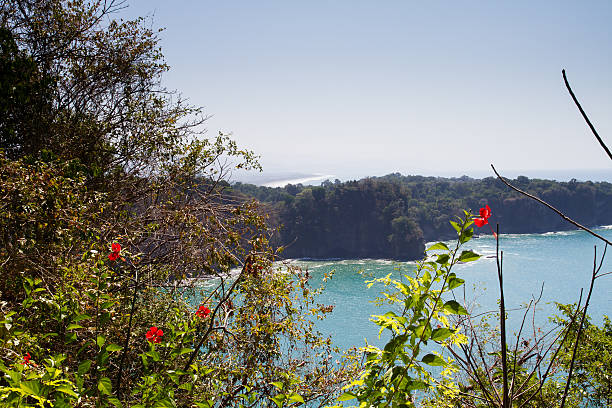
27 362
116 250
154 335
485 213
203 312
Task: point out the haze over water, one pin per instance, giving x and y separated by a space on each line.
281 179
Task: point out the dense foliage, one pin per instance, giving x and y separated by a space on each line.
593 358
132 275
393 216
114 218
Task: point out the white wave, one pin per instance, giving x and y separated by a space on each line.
559 233
302 180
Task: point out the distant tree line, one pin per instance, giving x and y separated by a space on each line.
394 215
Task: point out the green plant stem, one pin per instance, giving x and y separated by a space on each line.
502 321
433 309
129 334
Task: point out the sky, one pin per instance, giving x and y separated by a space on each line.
356 88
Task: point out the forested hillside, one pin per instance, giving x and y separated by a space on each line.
393 216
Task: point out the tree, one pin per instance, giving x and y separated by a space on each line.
593 375
114 215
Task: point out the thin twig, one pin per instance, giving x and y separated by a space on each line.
554 357
516 345
565 217
580 327
502 320
584 115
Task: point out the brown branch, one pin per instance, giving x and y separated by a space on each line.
539 200
581 326
565 333
584 115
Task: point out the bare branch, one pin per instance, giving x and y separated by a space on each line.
539 200
584 115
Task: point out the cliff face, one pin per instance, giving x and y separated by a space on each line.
347 223
393 216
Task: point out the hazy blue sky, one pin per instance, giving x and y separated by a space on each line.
358 88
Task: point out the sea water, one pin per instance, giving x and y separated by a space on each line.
560 261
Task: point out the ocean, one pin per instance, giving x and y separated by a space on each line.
561 261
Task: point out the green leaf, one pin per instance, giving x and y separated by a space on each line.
84 367
67 390
416 385
466 235
295 397
278 385
165 403
185 351
31 387
438 245
104 385
433 360
100 340
186 386
440 334
106 305
454 282
80 317
456 226
154 355
61 403
453 307
113 347
73 326
468 256
424 330
14 375
279 400
442 259
115 402
347 396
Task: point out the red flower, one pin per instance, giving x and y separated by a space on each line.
485 213
27 362
154 335
116 249
203 312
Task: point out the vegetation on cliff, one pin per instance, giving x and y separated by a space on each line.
393 216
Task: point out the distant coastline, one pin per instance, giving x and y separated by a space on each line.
307 180
281 179
391 217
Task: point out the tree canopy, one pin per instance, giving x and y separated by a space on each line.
393 216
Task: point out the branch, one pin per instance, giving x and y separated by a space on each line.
565 217
581 326
584 115
502 321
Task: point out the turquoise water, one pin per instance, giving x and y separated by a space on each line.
562 261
